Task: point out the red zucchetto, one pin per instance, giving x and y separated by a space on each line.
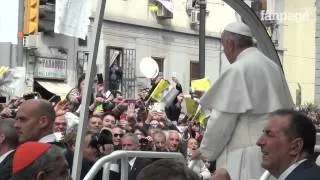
26 154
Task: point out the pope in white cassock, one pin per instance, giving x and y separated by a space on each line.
239 103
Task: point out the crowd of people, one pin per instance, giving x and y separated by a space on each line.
313 112
251 127
114 123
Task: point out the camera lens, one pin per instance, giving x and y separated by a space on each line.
144 141
94 141
105 137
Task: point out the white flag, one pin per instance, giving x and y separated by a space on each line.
168 4
72 17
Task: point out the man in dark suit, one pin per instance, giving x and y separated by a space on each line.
307 170
287 144
168 169
35 160
130 142
8 142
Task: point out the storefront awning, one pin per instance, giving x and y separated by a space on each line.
167 4
57 88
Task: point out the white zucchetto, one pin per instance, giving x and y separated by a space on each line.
239 28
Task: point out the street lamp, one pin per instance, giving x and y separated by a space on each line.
202 37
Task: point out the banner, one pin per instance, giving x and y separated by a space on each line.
72 17
194 110
160 90
191 105
169 96
200 117
201 85
12 81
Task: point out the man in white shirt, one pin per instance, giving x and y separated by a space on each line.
34 121
239 103
286 144
8 142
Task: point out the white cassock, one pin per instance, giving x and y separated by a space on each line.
240 101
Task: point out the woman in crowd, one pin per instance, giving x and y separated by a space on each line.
199 167
75 95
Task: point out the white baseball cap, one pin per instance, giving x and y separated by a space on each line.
239 28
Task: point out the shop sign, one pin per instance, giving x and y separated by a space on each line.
51 68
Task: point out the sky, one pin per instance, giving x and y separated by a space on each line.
9 21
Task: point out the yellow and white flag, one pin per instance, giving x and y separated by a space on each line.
161 89
191 105
201 85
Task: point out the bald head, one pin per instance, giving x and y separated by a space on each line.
34 120
41 107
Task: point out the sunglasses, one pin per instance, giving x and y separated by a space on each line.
116 135
154 126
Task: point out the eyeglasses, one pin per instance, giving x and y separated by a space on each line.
154 126
116 135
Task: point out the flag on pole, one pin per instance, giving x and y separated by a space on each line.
194 110
200 117
72 17
160 90
201 85
191 105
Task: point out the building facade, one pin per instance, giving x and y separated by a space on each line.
317 54
172 40
299 58
132 30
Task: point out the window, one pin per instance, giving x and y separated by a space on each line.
114 68
194 70
83 42
160 62
258 5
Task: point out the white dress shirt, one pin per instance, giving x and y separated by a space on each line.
286 173
48 138
2 157
131 162
318 160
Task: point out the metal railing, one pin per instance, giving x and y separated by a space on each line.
105 162
124 156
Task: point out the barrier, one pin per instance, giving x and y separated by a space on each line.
124 156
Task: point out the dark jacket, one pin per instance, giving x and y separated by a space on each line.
138 165
86 166
6 167
173 110
307 170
